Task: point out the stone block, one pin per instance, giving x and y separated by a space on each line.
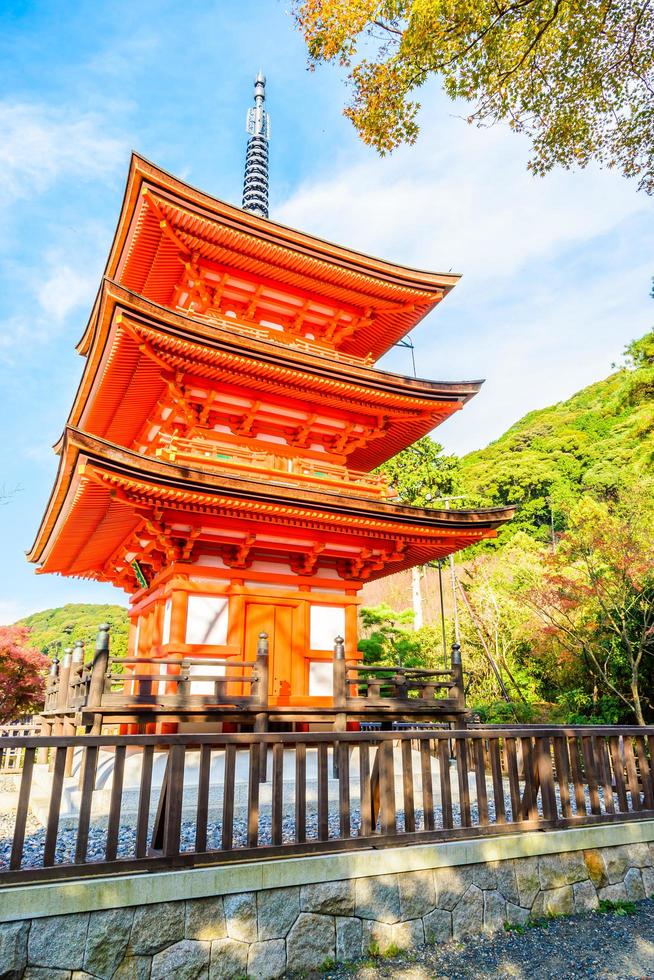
267 960
613 893
58 942
516 915
45 973
378 898
348 939
134 968
277 910
241 917
205 919
633 883
82 975
617 862
328 898
528 881
574 867
229 959
468 914
377 937
408 935
550 872
494 911
311 942
584 896
450 884
496 876
639 855
554 902
438 926
155 927
106 941
648 881
185 960
596 867
13 949
417 894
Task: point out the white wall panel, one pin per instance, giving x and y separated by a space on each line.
206 620
327 622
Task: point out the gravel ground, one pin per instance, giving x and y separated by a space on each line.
593 945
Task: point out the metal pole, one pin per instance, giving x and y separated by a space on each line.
439 566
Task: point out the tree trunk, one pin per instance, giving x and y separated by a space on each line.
416 595
638 709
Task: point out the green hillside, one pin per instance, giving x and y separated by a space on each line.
48 626
594 442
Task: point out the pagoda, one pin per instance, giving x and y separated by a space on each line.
216 464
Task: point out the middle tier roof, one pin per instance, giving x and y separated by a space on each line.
149 369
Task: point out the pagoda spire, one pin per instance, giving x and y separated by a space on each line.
255 183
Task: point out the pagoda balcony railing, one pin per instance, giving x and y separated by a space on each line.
262 332
212 454
185 683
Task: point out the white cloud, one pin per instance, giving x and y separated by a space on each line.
41 143
11 610
555 269
65 288
460 199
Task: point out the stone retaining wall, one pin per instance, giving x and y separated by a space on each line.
267 932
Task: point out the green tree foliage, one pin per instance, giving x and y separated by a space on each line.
595 600
421 474
47 627
593 443
577 78
388 639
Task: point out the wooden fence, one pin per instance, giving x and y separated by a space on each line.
220 798
11 754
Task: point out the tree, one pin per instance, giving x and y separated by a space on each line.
421 475
21 673
388 640
596 598
576 77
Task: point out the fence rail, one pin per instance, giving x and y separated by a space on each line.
183 682
165 801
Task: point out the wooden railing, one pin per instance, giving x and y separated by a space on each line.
183 682
215 805
173 682
11 758
321 474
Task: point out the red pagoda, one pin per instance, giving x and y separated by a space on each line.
216 465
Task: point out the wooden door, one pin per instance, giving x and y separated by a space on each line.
277 620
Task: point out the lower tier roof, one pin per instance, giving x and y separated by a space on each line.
111 506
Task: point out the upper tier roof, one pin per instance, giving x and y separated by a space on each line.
182 248
135 347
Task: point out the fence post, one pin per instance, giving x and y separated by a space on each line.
77 667
64 678
99 667
340 682
261 668
456 689
50 685
339 695
261 718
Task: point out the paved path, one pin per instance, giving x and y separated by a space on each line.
593 945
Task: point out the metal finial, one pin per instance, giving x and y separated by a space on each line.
257 125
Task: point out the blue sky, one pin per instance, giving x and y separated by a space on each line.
556 271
